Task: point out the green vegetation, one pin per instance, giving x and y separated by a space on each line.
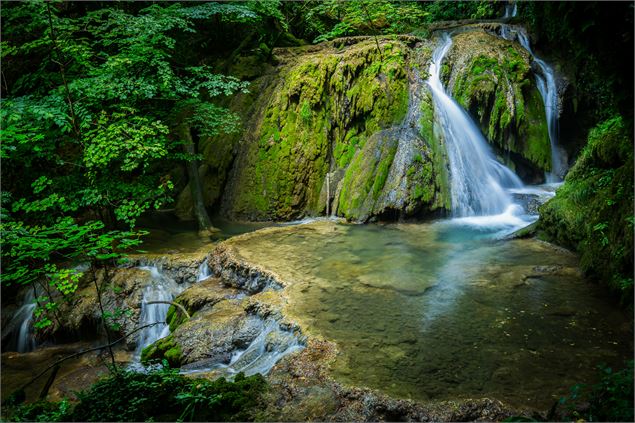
159 395
163 348
610 400
326 105
592 212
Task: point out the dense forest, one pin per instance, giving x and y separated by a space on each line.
124 120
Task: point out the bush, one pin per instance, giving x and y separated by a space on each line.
160 395
610 400
592 212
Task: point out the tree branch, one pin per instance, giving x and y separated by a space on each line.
77 354
179 306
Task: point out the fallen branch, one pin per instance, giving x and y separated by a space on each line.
77 354
179 306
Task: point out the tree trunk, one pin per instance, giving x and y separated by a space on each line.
205 227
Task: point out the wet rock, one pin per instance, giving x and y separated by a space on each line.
214 333
208 292
225 263
301 389
82 316
182 268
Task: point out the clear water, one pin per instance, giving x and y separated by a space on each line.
443 310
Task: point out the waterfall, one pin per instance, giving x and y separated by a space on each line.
24 341
162 288
546 83
510 10
204 271
478 181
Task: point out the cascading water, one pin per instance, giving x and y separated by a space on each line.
271 344
24 341
511 9
548 90
204 272
478 181
162 288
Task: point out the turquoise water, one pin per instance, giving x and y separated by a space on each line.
442 310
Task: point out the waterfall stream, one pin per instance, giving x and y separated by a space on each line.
546 83
204 271
478 181
511 9
162 288
24 341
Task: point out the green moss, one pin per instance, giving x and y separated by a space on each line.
165 348
437 154
175 318
322 106
497 87
382 172
366 176
592 212
536 146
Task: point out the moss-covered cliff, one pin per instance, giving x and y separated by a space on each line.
592 212
326 102
492 78
349 128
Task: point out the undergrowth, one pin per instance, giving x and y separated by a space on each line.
159 395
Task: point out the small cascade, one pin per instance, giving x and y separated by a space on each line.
22 321
511 9
478 180
204 271
271 344
162 288
546 83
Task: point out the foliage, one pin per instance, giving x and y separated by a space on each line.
101 133
32 255
92 96
579 33
325 20
593 211
159 395
610 400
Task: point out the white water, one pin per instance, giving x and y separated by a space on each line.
204 271
261 354
511 9
24 340
162 288
546 83
478 181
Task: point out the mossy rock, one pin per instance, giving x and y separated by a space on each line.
592 212
492 79
165 348
393 174
315 113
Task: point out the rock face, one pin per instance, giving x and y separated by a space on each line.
348 128
122 295
492 79
325 102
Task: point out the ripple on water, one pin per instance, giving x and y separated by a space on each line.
435 311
